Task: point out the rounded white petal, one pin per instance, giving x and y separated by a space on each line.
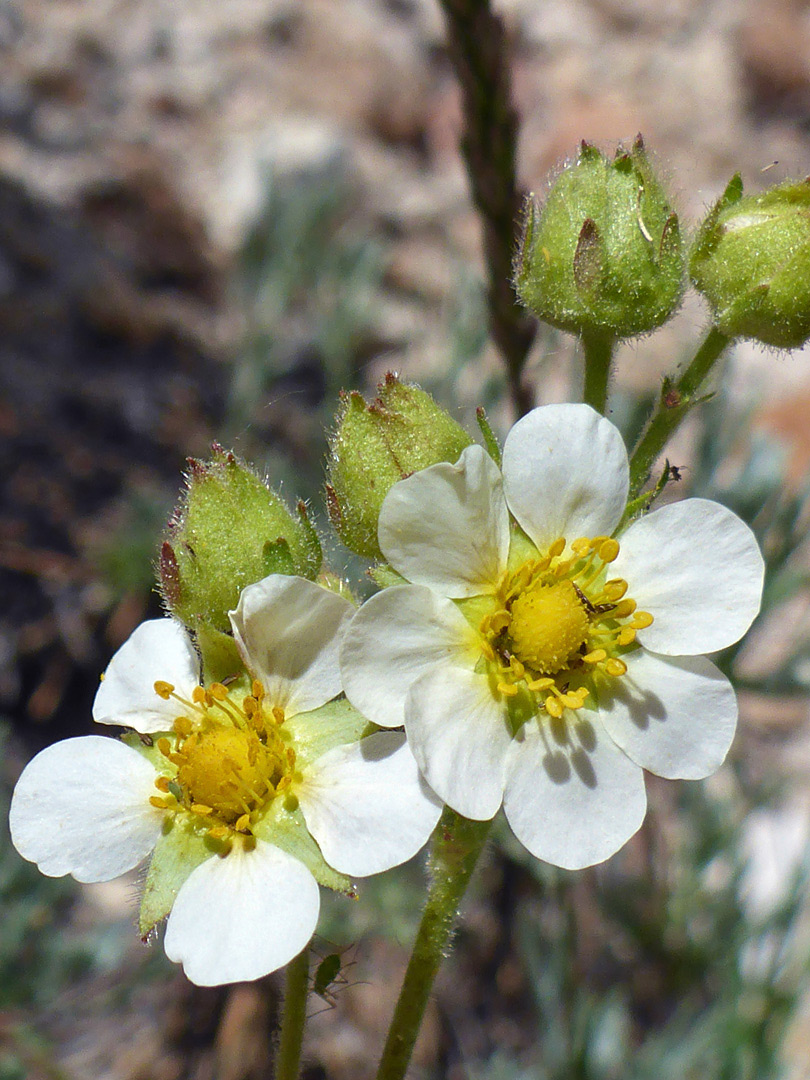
241 917
367 805
565 473
675 716
289 630
460 738
572 797
396 636
447 526
81 807
159 650
697 568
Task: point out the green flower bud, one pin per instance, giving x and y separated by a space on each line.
604 255
228 531
751 260
401 431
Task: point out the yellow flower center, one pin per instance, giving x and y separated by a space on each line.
226 760
558 622
549 624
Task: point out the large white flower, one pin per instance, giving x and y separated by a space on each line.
227 785
538 662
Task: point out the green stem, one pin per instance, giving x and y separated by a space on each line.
598 350
291 1038
457 844
676 401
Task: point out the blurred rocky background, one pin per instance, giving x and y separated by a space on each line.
212 216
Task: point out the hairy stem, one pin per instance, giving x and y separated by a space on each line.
476 42
676 401
291 1038
457 844
598 350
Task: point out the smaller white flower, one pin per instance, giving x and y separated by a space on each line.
537 661
227 786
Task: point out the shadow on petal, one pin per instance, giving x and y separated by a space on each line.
642 705
556 765
583 767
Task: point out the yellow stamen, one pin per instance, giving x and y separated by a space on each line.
164 689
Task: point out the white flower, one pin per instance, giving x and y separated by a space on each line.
227 786
537 662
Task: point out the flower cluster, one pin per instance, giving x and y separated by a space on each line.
538 657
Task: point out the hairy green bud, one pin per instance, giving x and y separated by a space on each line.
375 445
229 531
751 260
604 255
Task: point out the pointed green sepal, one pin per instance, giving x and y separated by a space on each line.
285 827
180 849
334 724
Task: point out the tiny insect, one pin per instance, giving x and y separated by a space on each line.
676 472
329 979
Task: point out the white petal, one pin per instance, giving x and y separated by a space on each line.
460 738
394 638
697 568
81 807
157 650
675 716
447 526
288 630
367 805
565 473
241 917
572 797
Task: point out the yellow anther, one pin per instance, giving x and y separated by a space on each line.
614 589
164 746
198 696
217 691
574 699
284 782
609 550
201 809
487 650
615 667
250 706
162 784
158 803
539 684
554 707
581 546
595 657
258 690
641 620
242 823
290 757
164 689
627 635
499 620
623 609
278 714
507 689
557 548
183 726
517 669
219 832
